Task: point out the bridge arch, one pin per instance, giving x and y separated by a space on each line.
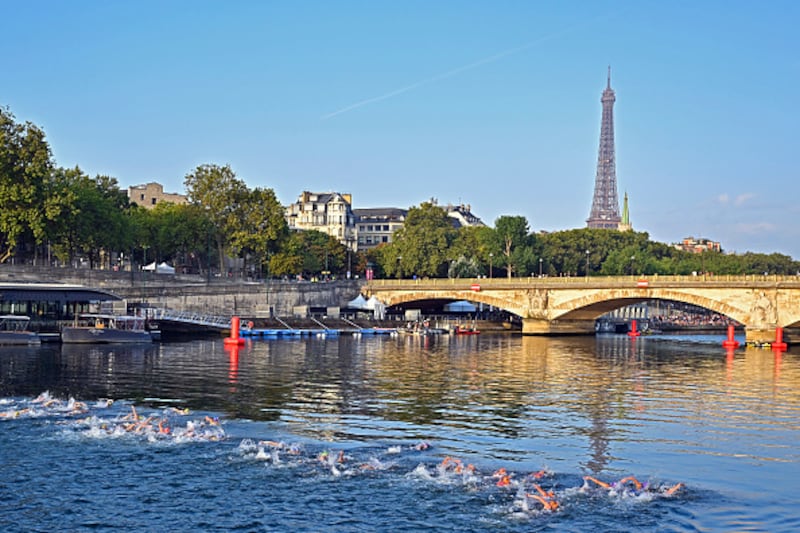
594 305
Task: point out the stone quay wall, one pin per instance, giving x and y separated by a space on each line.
192 293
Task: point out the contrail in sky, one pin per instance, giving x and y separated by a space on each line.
455 71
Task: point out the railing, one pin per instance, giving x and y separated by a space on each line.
188 317
642 281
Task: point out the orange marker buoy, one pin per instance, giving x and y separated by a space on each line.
730 342
633 332
234 336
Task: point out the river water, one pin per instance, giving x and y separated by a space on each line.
665 409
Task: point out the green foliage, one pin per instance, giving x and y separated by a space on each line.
514 240
309 253
27 189
422 246
78 215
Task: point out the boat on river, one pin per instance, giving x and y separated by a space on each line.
14 330
465 330
94 328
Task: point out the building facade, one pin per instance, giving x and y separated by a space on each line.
328 212
375 226
151 194
698 245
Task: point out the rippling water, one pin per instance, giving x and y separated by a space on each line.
664 409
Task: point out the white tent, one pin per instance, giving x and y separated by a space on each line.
359 303
377 307
161 268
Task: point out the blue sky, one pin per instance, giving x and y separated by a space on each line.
493 104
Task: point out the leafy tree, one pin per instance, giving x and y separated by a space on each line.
309 252
464 268
512 236
477 243
260 226
422 245
27 188
217 190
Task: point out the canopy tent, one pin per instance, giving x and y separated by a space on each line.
161 268
377 307
358 303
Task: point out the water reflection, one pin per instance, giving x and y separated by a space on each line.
586 396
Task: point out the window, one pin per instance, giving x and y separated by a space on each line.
153 201
386 227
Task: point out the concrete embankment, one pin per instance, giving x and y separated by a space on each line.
195 293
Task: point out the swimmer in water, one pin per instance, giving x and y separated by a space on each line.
637 485
546 498
421 446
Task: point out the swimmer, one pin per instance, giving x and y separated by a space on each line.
548 504
673 489
15 414
500 472
538 475
421 446
504 481
340 458
597 482
212 421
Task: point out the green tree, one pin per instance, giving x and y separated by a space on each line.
260 227
478 244
422 245
27 188
512 235
217 190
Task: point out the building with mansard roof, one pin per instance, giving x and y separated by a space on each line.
328 212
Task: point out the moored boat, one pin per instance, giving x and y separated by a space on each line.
466 330
14 330
106 328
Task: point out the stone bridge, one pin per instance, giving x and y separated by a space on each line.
571 305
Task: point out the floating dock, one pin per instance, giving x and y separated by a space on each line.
315 332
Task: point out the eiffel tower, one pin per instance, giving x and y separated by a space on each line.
605 205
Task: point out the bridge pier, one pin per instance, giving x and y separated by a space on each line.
538 326
759 335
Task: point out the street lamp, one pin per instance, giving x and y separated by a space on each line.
540 267
632 258
587 263
399 266
491 257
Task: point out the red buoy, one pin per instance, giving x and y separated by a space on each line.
633 332
730 342
779 344
234 336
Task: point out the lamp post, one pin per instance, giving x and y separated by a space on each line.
208 255
540 267
587 263
399 266
632 258
491 258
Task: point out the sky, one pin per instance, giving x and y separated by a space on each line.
493 104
